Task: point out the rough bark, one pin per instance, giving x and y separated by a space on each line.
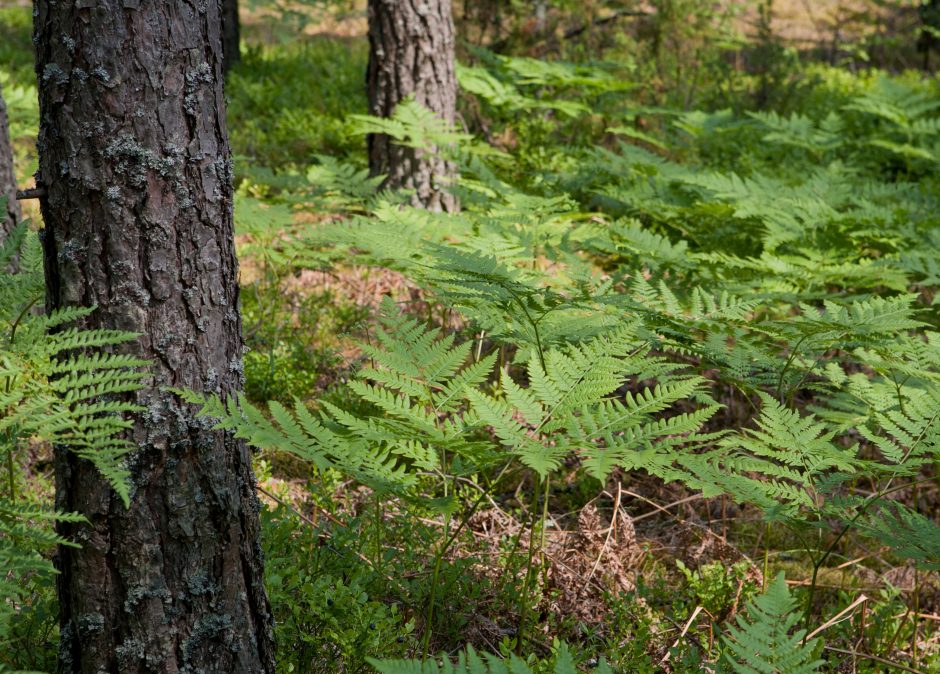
135 162
411 53
231 34
11 215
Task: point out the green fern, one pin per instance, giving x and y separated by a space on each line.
763 643
471 662
57 386
414 125
416 394
428 402
569 408
909 534
780 466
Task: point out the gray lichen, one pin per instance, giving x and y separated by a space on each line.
71 251
129 292
66 636
153 414
237 367
138 594
200 585
53 73
129 652
92 129
201 74
89 623
215 626
133 160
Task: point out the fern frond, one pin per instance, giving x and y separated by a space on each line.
908 533
763 644
471 662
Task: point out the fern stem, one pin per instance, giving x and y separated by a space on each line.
542 524
535 326
378 533
874 498
810 599
524 597
10 473
432 596
766 556
16 324
786 366
817 564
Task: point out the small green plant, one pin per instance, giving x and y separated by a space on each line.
764 643
472 662
326 613
717 587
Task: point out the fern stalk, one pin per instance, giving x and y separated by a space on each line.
843 531
435 575
529 571
10 473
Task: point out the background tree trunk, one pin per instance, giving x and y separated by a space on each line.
231 34
12 214
411 52
135 161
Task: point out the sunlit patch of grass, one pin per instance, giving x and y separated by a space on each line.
289 102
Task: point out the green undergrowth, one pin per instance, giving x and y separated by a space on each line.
18 83
287 103
740 302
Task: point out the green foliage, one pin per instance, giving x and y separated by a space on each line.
418 385
412 125
325 613
312 85
740 301
763 644
18 85
472 662
568 408
31 630
718 587
426 402
58 385
722 276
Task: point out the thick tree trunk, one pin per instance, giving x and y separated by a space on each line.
411 53
231 34
135 162
11 215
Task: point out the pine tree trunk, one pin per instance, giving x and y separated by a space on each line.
135 162
11 215
231 34
411 52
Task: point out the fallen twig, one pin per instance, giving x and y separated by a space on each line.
868 656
